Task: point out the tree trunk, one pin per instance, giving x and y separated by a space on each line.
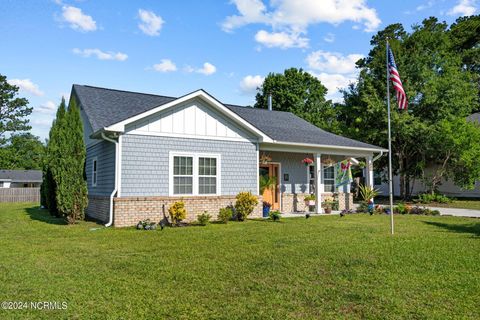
402 176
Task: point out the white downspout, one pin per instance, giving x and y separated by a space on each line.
377 157
110 218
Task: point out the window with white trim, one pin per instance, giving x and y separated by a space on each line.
94 172
207 175
182 175
329 178
194 174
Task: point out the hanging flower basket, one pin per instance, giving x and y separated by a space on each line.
264 159
328 161
307 161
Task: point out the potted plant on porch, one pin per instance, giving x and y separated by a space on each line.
309 200
328 204
266 183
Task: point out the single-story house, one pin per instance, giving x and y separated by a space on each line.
20 178
447 187
146 151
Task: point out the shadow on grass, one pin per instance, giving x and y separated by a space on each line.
43 215
473 228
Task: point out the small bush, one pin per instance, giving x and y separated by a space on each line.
177 212
225 214
274 215
435 213
245 205
362 208
203 218
146 225
435 197
402 208
309 197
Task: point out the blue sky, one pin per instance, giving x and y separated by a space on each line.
175 47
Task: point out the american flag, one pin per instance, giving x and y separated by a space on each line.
397 83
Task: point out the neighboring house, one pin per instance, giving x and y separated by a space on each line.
146 151
20 178
447 187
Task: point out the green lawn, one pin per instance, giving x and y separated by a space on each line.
317 268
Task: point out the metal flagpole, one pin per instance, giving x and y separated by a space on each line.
389 147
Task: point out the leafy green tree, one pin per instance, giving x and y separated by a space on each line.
438 86
13 110
22 151
454 148
301 93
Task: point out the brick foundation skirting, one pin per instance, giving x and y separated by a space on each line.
98 208
129 210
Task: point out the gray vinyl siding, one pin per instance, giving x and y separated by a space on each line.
291 164
105 153
145 161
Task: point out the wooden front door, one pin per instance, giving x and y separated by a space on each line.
271 195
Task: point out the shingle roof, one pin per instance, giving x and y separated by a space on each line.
105 107
287 127
21 175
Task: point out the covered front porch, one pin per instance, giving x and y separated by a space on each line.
301 173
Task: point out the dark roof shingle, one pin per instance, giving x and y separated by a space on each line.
105 107
287 127
21 175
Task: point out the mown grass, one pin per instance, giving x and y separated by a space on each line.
317 268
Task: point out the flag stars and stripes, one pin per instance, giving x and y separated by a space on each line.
397 82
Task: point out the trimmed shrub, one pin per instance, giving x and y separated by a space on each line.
203 218
177 212
275 215
435 197
146 225
245 205
225 214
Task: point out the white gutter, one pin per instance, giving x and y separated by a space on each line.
276 142
110 218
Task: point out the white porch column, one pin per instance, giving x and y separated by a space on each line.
318 182
369 171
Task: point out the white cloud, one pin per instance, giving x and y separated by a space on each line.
101 55
330 37
207 69
334 70
249 84
332 61
293 17
464 8
334 82
48 107
282 39
151 23
77 19
165 65
42 122
26 85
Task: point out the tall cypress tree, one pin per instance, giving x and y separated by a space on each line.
49 186
71 192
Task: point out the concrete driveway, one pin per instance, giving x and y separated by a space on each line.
457 212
